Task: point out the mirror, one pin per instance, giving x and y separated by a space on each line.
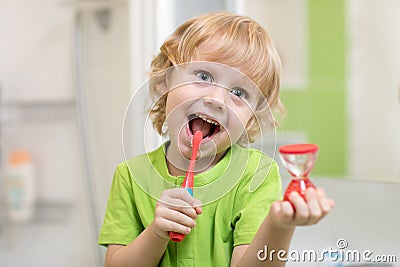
340 84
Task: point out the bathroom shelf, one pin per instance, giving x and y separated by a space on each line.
12 113
45 212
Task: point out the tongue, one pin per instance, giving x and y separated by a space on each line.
200 125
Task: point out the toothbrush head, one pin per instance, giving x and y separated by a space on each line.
197 137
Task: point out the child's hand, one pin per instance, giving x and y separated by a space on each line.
176 211
302 212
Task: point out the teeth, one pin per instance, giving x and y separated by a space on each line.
207 119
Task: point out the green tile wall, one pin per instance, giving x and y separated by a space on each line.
319 109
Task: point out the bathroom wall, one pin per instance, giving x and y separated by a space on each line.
374 89
38 115
41 108
105 83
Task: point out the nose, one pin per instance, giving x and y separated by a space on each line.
216 97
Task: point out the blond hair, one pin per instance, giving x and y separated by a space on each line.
241 42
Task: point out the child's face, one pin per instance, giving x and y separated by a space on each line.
213 98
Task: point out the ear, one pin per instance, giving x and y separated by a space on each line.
251 124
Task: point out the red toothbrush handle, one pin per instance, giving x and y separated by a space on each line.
189 179
176 237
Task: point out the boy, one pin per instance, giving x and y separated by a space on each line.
217 73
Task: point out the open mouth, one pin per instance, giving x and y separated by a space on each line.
199 122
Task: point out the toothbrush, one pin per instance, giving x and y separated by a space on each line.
189 179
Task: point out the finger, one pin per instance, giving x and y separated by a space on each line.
283 212
180 200
183 208
198 206
332 203
302 212
287 212
172 226
314 206
276 209
175 204
183 194
287 209
177 217
325 203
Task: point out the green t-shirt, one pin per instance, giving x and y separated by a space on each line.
236 195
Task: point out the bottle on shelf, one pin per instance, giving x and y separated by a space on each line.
20 187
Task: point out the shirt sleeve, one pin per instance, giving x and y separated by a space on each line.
122 223
252 206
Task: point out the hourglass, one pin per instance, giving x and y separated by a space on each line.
298 160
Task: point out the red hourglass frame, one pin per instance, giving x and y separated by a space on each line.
298 160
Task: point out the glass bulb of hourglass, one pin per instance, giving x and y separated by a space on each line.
298 160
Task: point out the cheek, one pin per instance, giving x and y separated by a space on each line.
168 106
238 122
242 118
177 97
172 102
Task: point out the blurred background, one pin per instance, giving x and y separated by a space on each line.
68 69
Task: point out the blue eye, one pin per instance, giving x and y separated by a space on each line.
239 92
205 76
